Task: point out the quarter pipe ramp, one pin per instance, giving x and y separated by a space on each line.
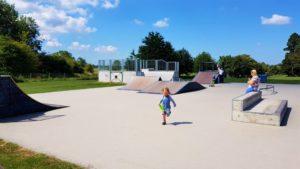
204 77
139 82
13 101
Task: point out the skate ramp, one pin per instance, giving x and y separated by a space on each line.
13 101
139 82
204 77
164 75
175 87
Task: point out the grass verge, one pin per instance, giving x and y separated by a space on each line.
43 86
13 156
276 79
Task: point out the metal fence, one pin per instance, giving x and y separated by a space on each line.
137 65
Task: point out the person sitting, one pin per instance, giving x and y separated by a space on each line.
253 82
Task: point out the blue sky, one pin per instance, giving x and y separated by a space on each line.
110 29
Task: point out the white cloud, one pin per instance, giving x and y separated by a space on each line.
50 41
57 16
138 22
275 20
78 46
106 49
75 3
109 4
162 23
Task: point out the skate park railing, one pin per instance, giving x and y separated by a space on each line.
123 70
251 108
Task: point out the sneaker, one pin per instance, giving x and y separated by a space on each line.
164 123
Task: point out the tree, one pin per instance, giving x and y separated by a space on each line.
29 33
291 62
18 28
116 65
200 59
292 43
185 61
242 65
89 68
17 57
155 47
227 63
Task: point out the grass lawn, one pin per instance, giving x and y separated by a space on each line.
43 86
276 79
13 156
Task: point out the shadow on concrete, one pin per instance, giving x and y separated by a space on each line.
286 117
180 123
32 117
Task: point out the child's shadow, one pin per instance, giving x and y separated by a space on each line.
180 123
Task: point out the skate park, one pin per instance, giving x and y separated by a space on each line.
113 84
121 129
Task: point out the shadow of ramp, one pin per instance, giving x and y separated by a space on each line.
14 102
285 119
32 117
180 123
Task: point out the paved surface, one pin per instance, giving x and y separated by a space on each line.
115 129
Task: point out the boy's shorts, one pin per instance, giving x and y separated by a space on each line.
167 112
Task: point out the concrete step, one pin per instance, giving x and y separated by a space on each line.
267 111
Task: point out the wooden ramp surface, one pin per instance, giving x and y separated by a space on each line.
139 82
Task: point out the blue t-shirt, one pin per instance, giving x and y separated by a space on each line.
166 100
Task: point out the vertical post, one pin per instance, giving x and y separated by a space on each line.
110 65
156 65
167 66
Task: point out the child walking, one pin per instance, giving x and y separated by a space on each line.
165 102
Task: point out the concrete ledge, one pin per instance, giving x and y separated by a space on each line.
242 102
251 108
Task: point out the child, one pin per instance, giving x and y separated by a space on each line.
253 82
165 101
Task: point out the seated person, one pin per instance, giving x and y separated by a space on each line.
253 82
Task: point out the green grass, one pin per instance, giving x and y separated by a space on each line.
13 156
276 79
43 86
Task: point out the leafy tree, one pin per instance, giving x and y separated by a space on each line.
17 57
29 33
8 20
275 69
202 57
155 47
227 63
89 68
18 28
291 62
243 64
292 43
81 62
116 65
185 61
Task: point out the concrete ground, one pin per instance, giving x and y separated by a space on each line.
116 129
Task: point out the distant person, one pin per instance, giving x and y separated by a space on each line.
253 82
165 104
220 74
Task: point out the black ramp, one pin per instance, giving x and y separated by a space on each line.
191 86
13 101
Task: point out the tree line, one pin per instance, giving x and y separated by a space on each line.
154 46
21 52
21 48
